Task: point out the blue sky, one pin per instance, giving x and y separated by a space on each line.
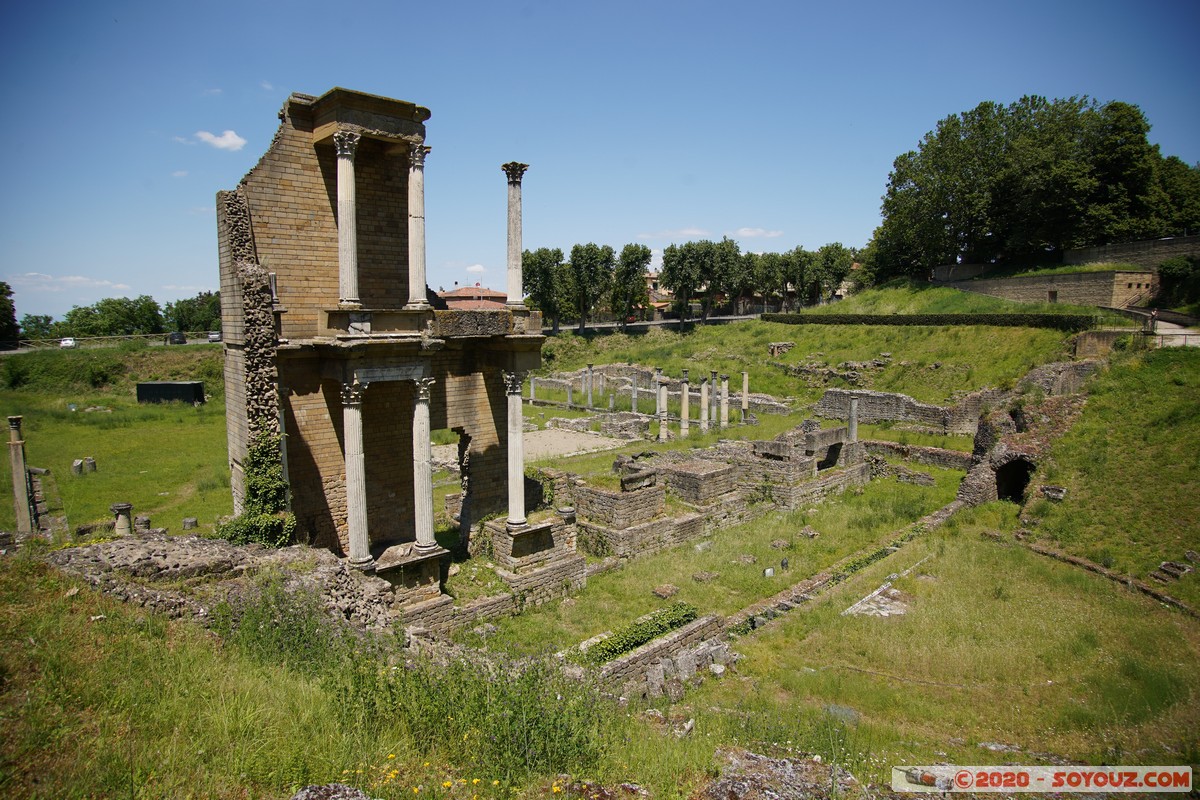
774 123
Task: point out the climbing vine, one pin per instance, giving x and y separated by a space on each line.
265 518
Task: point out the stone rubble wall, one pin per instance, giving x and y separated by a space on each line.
619 509
930 456
1063 377
637 540
699 482
556 580
632 666
962 417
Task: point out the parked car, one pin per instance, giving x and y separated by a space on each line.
68 343
214 336
176 338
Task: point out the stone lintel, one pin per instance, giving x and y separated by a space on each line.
367 114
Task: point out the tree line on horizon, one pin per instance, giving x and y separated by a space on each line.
113 316
595 279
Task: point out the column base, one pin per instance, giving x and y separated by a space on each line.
349 305
420 305
367 565
519 306
516 525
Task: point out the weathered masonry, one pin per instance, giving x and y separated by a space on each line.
331 338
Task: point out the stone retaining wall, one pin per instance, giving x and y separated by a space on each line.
632 667
555 580
1148 253
962 417
698 481
619 509
930 456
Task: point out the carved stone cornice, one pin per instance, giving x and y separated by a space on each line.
514 170
346 143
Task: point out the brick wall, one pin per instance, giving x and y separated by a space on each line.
1113 289
619 509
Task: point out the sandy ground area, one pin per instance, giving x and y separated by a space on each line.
545 444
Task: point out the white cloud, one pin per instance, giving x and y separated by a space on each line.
754 233
477 269
41 282
267 86
182 140
210 92
179 173
226 141
678 233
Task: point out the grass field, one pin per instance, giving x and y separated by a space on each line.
902 296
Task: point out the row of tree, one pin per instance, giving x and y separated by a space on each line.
1024 182
711 273
122 316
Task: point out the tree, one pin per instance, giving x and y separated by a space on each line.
591 269
542 280
682 274
199 313
114 316
37 326
721 262
833 264
10 332
629 290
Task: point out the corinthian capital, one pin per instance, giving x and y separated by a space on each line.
346 143
512 382
416 155
352 393
514 170
422 386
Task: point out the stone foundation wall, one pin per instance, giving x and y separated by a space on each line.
827 483
1064 377
643 539
962 417
632 667
619 509
699 482
930 456
555 580
532 546
1111 289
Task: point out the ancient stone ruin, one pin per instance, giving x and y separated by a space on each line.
332 341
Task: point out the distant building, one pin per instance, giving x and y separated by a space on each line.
474 298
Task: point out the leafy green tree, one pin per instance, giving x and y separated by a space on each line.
591 269
114 316
199 313
629 290
833 264
10 332
37 326
542 280
770 276
682 274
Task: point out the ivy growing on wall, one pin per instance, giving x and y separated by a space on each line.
265 518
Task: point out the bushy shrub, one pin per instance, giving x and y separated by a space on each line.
265 518
636 634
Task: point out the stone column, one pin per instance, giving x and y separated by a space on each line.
422 450
712 396
633 393
745 395
20 477
704 405
853 422
590 378
657 397
124 521
516 451
346 143
356 476
417 300
516 294
724 402
570 388
684 400
662 411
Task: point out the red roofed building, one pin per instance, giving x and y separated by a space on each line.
474 298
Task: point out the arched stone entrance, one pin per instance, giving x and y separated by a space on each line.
1012 479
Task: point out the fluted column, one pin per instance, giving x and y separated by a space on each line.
346 143
684 400
657 394
704 405
417 300
745 394
356 476
516 293
662 411
713 387
516 451
422 451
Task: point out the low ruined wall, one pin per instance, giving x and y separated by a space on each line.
1064 377
827 483
555 580
632 667
637 540
930 456
1149 253
962 417
1097 344
699 482
1081 288
619 509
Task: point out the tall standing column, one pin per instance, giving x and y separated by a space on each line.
704 405
422 450
684 400
724 402
20 477
417 300
657 396
356 476
346 143
591 377
633 393
662 411
516 451
712 397
745 395
516 292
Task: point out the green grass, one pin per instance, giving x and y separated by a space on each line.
168 460
904 296
999 644
617 597
1131 465
1066 269
927 363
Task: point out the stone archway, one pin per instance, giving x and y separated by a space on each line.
1012 479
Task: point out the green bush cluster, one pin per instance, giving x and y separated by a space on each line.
265 518
637 633
1070 323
